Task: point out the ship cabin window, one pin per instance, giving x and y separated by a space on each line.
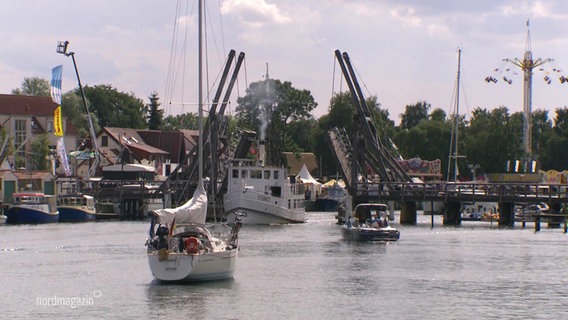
256 174
276 174
244 174
235 173
276 191
266 174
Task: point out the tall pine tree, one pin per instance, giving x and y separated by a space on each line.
155 115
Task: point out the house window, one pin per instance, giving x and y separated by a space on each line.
49 126
20 136
104 141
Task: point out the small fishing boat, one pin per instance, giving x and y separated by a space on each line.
32 208
76 208
369 223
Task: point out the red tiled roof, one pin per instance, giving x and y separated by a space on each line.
34 175
26 105
172 142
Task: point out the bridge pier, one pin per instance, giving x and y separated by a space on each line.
506 214
452 215
555 209
408 213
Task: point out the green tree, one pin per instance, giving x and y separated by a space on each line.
561 121
414 114
554 151
34 86
269 107
155 115
188 121
115 109
342 114
541 130
72 108
493 138
438 115
40 152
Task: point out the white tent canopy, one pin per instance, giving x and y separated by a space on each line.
305 176
313 187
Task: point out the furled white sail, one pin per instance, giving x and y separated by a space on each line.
193 211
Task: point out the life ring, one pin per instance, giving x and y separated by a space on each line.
192 245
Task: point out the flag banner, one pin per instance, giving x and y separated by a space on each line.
55 90
62 154
57 125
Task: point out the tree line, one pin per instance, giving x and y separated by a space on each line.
282 115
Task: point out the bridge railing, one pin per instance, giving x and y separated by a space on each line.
446 191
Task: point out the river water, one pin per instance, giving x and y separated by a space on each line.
99 270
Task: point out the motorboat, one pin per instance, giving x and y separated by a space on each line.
76 208
181 248
266 193
529 211
476 211
32 208
369 222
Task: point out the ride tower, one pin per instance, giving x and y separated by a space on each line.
527 65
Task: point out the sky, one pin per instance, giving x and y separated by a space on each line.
404 51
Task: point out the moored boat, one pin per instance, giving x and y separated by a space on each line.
265 193
369 223
32 208
332 196
76 208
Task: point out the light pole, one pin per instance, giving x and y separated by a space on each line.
473 167
62 49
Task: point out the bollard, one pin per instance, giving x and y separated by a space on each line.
537 223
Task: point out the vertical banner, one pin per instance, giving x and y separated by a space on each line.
55 90
57 125
62 154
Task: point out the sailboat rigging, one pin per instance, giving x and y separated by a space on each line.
454 154
182 248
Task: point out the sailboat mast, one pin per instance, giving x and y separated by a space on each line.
456 117
200 88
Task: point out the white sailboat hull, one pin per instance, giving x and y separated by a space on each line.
182 267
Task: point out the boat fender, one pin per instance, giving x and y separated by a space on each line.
192 245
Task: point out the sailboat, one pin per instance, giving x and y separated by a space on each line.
180 246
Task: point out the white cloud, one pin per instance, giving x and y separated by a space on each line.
255 13
406 16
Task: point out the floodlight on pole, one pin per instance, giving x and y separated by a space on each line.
62 49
